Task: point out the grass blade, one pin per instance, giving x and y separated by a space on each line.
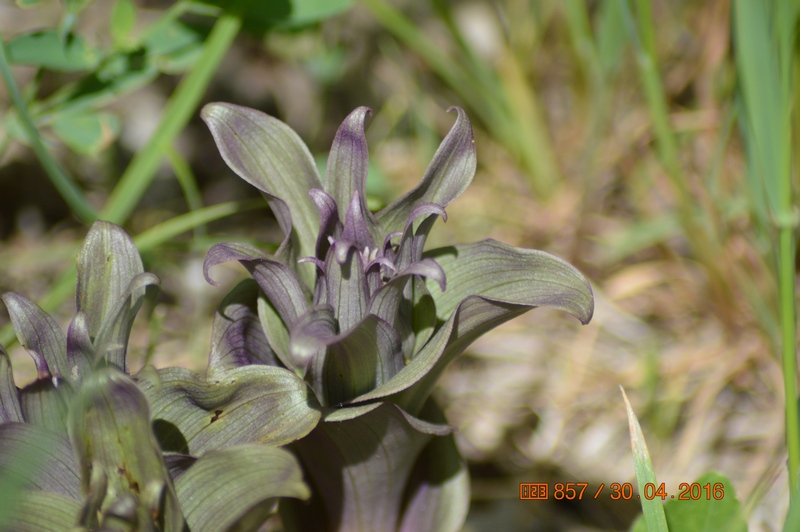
66 187
645 474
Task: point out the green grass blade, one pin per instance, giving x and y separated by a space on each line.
763 36
645 474
66 187
188 183
181 107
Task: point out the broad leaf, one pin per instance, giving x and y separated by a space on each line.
509 281
111 433
111 342
438 492
46 49
360 468
500 272
448 175
356 361
10 410
251 404
40 511
239 483
39 334
269 155
39 458
45 402
237 338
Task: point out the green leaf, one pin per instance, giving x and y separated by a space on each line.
306 12
38 459
119 456
237 338
107 263
10 410
269 155
86 132
438 494
250 404
448 175
46 402
708 514
123 20
356 361
653 509
500 272
224 487
46 49
39 511
39 334
360 468
111 288
489 284
120 75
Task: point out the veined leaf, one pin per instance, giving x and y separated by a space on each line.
360 468
251 404
269 155
224 487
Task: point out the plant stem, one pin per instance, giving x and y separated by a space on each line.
179 109
66 187
786 283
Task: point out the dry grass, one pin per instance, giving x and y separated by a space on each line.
538 399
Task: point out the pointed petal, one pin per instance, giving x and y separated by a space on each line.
361 467
356 362
448 175
413 241
111 342
229 252
438 492
310 334
509 281
39 334
10 409
80 351
110 431
269 155
278 281
329 224
282 288
224 487
237 338
39 459
347 284
355 228
107 263
348 163
249 404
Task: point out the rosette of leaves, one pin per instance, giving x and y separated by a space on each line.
352 303
77 448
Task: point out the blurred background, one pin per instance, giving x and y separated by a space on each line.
610 133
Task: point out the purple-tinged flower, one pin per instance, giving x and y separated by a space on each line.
352 303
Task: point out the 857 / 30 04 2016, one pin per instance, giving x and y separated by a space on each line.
619 491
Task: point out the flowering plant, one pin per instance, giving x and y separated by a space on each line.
352 304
